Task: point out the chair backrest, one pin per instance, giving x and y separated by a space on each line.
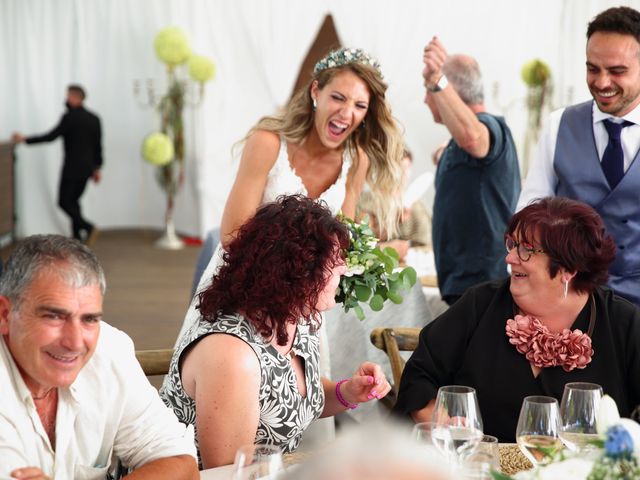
392 341
155 362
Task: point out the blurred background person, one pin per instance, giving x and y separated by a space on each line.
477 177
82 135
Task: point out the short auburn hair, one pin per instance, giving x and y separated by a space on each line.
572 235
277 265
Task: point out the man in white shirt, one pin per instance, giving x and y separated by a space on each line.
74 398
587 151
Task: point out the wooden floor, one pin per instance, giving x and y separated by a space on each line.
148 289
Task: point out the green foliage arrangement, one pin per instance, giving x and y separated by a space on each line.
373 275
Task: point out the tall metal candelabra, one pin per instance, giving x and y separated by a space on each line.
170 105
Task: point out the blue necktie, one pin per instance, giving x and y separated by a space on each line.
613 158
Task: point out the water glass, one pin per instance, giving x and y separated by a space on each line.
578 409
255 462
479 463
458 421
538 429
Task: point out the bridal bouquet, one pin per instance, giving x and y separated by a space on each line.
372 274
616 457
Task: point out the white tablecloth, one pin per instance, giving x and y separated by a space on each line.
349 343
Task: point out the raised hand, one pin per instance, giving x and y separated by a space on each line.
434 56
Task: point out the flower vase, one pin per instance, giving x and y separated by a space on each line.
170 240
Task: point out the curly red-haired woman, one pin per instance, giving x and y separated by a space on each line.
248 371
551 323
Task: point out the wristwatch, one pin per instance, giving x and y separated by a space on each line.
442 83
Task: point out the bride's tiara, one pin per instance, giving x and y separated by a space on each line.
344 56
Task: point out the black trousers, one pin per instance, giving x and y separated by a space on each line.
71 189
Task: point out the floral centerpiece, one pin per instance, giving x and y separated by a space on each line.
537 77
173 49
372 274
616 454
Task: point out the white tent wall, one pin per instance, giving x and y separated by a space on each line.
258 47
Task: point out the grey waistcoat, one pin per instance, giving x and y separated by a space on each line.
580 177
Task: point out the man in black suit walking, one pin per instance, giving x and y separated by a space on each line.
82 136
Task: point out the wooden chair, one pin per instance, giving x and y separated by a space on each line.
392 341
155 362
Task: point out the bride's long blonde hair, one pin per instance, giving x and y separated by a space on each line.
379 138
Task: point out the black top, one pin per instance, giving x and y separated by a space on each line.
468 345
475 198
82 136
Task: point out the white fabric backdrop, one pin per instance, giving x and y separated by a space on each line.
258 47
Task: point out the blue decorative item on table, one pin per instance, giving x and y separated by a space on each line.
617 456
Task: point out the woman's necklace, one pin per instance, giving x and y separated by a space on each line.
568 349
42 397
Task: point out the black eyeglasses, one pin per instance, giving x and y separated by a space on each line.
524 250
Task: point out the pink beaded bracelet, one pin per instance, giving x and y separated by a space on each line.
341 399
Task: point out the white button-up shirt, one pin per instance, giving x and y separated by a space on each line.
111 410
542 180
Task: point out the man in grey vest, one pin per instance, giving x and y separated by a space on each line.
588 151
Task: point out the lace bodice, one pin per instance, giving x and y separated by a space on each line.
283 180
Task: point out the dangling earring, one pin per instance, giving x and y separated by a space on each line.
315 104
363 124
566 288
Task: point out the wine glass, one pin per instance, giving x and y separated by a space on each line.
479 463
255 462
422 434
578 409
458 422
538 428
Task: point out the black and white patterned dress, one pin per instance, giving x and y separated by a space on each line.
284 413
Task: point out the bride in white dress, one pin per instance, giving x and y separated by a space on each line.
334 135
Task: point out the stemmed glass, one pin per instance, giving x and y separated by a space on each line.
458 422
538 428
578 409
482 460
255 462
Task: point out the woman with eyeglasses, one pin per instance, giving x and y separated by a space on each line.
552 322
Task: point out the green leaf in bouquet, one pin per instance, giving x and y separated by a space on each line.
359 312
410 274
392 252
363 292
394 285
395 297
376 303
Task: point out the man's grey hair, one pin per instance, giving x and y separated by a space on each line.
72 261
463 72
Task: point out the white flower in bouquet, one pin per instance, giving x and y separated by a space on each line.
172 46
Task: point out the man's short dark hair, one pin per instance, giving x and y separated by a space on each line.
623 20
77 89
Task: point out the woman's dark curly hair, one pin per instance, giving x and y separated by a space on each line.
277 266
572 235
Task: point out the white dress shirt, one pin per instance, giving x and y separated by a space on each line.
111 410
542 180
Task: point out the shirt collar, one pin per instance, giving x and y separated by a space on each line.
14 373
633 116
75 390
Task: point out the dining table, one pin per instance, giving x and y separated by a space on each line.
512 461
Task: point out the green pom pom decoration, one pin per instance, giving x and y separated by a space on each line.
535 73
157 149
201 69
172 46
